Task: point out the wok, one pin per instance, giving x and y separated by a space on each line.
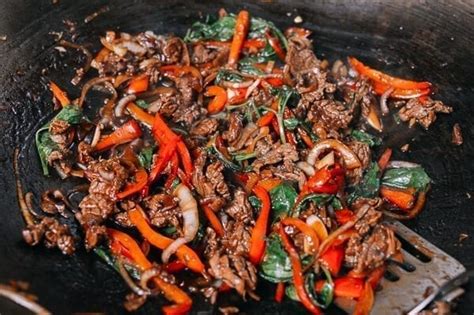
428 40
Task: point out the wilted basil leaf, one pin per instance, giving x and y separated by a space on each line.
407 178
283 198
366 138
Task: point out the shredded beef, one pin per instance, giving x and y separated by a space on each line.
239 208
456 137
163 210
284 152
205 127
235 128
332 114
53 234
422 111
362 150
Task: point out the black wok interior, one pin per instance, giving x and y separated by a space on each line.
419 39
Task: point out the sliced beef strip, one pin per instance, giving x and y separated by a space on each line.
333 115
363 152
239 208
235 128
163 210
205 127
284 152
422 111
53 234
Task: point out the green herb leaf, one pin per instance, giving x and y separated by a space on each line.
263 56
276 265
226 75
283 198
291 123
366 138
406 178
108 257
145 157
369 186
318 199
221 30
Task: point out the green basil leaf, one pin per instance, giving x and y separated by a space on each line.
406 178
291 123
70 113
226 75
108 257
283 198
142 103
221 30
369 186
276 264
145 157
366 138
318 199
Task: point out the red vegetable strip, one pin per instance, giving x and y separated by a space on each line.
59 94
332 258
240 33
269 183
380 88
185 158
138 84
343 216
366 301
304 228
298 279
384 159
184 253
141 179
280 292
165 153
346 287
174 266
403 199
386 79
171 292
125 133
219 100
275 43
257 239
213 220
375 276
140 115
266 119
173 172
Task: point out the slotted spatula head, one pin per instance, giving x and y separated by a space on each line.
425 269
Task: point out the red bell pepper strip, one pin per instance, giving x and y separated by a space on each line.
125 133
59 94
185 158
327 181
141 179
343 216
332 258
178 70
280 292
266 119
375 276
304 228
380 88
345 287
184 253
161 132
165 153
140 115
257 239
254 44
138 84
173 171
213 220
298 279
386 79
242 25
275 82
171 292
384 159
275 43
403 199
236 96
366 301
219 100
174 266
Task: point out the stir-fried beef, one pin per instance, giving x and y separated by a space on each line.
332 114
422 111
235 128
205 127
163 210
53 234
456 137
284 152
362 150
239 208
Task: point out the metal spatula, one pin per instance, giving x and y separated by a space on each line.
425 269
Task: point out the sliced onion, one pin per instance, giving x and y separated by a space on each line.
88 85
22 300
96 137
237 85
350 158
383 101
327 160
129 281
27 216
270 66
307 168
146 276
122 103
373 119
172 248
252 87
402 164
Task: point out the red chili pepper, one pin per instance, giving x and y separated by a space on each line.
375 276
218 102
386 79
141 179
366 301
345 287
266 119
161 132
125 133
174 164
257 239
343 216
384 159
275 82
280 292
236 96
138 84
165 153
298 279
403 199
332 258
59 94
380 88
325 181
275 43
185 159
254 44
213 220
242 25
174 266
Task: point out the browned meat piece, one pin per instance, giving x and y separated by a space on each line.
205 127
133 301
235 271
263 146
333 115
187 86
209 182
201 54
289 172
457 138
229 310
240 208
94 235
363 152
365 253
163 210
422 112
53 233
300 56
83 152
188 115
106 176
284 152
371 218
95 207
53 201
173 50
235 128
236 240
122 219
58 126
